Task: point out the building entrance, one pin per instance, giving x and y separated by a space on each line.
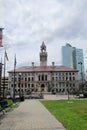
42 87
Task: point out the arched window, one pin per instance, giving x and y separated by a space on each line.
28 78
39 77
70 78
73 78
42 77
45 77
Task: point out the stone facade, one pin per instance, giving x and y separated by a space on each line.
43 78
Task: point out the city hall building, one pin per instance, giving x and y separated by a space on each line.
44 78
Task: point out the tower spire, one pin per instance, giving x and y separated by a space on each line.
43 55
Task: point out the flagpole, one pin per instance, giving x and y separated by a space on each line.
0 76
4 77
14 78
1 38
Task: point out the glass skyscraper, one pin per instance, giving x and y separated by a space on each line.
79 62
73 57
67 55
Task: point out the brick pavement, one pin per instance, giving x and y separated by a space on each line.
30 115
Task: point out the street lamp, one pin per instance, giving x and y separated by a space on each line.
68 90
81 76
20 86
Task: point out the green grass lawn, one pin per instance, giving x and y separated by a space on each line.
72 114
13 105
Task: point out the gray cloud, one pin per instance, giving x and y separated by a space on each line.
28 22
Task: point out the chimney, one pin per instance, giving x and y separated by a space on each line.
32 64
53 64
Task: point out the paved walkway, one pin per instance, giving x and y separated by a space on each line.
30 115
57 97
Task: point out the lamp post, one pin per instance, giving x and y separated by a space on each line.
81 76
14 79
68 93
20 86
14 87
68 89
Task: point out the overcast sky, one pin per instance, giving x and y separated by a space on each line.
27 23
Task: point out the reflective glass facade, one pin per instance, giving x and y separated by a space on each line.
71 57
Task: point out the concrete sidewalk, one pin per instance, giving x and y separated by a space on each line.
30 115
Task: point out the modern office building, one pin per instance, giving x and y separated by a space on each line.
80 63
73 57
67 55
44 78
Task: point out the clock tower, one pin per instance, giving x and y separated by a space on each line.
43 55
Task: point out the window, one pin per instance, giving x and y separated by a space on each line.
73 78
25 79
42 77
73 73
59 78
60 90
66 73
69 73
32 85
28 78
73 85
11 85
66 78
70 78
53 85
52 73
32 79
45 77
63 90
39 77
52 78
66 85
